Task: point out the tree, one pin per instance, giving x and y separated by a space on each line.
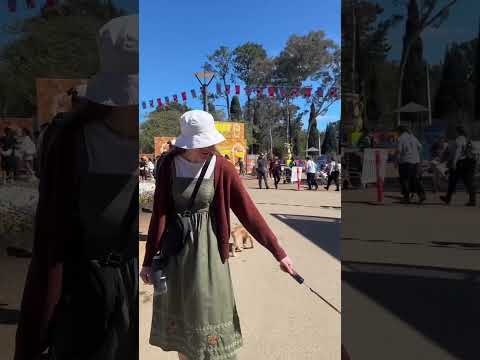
245 57
235 109
431 14
414 86
312 130
330 142
59 43
221 63
477 77
162 122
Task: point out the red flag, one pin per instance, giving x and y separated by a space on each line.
12 5
144 104
30 4
219 89
237 89
283 92
295 92
159 103
271 91
151 103
175 99
248 91
333 92
307 92
167 100
259 91
320 92
194 94
184 96
227 89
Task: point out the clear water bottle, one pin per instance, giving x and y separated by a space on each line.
159 277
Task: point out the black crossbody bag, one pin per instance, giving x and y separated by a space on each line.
179 227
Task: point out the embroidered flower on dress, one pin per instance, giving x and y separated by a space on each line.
213 340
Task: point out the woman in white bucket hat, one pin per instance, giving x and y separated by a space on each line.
195 313
81 294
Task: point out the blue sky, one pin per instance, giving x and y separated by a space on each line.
177 36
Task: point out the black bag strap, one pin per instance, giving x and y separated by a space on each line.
188 210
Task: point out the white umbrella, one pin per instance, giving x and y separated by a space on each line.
312 149
412 107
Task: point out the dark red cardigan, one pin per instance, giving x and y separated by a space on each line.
229 194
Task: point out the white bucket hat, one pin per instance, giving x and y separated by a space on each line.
198 131
116 84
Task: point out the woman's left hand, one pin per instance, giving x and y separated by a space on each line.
286 265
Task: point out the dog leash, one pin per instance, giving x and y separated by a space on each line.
301 281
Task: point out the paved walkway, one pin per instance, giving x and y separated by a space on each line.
280 319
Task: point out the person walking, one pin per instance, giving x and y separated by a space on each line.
277 172
262 171
28 151
80 299
311 173
241 166
333 174
462 166
408 154
196 313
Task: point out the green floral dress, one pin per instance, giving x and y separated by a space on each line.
197 316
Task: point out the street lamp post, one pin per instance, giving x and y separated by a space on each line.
207 77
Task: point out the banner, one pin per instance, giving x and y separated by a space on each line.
369 172
295 172
237 89
194 94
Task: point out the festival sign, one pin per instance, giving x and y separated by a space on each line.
234 145
52 97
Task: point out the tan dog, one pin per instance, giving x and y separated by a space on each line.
240 237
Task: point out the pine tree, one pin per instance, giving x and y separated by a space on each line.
313 131
235 109
414 82
330 142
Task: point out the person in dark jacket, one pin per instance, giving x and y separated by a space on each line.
262 171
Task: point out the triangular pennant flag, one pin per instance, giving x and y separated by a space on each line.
194 94
307 91
294 92
248 91
227 89
167 100
175 99
283 92
271 91
333 92
219 89
30 4
237 89
144 104
151 103
320 92
184 96
159 103
12 5
259 91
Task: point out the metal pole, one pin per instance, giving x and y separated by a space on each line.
428 97
205 104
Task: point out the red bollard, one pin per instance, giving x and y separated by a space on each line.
299 180
379 177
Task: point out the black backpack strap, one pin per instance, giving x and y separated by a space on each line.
197 186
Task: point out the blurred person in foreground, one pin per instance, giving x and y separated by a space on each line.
80 300
198 309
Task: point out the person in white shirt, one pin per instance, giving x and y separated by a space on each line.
311 173
462 165
333 174
408 155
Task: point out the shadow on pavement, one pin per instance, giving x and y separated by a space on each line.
322 231
440 303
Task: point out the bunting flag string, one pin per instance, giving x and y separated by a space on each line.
31 4
272 91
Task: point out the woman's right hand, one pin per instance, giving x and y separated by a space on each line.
146 275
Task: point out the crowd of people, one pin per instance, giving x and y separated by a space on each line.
18 153
452 162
